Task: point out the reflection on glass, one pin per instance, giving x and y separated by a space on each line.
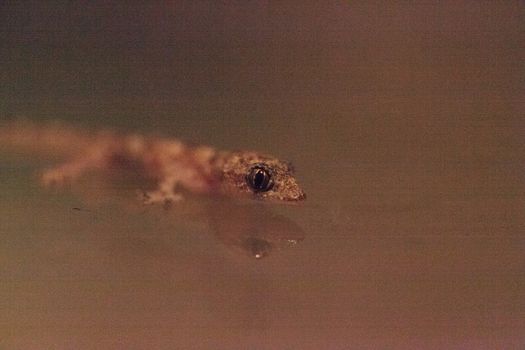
252 228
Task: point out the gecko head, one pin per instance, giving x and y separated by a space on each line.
261 176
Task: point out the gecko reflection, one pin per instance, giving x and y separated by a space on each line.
246 229
253 229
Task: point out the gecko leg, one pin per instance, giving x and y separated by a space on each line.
164 193
68 171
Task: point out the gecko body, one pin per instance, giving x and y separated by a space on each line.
170 164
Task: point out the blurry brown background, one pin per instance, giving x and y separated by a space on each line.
403 119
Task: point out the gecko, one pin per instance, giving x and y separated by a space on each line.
170 164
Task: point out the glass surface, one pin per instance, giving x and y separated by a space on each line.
404 123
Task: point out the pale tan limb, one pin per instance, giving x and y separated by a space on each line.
165 192
95 157
67 172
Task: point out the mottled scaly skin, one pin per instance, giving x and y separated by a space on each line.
235 165
171 164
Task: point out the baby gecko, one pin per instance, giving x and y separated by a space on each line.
171 164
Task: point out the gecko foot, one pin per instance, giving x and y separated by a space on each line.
160 197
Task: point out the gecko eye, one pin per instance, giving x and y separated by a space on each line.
259 179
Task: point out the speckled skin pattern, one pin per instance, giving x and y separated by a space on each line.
171 164
236 166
